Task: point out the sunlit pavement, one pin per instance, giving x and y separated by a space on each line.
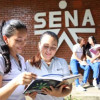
91 93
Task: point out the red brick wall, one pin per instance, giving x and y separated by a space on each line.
26 9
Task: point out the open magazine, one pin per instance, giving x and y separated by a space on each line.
55 80
95 49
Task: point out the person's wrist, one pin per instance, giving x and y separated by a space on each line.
15 82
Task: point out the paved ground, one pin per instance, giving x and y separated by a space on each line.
92 93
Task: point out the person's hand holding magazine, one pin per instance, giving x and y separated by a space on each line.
58 92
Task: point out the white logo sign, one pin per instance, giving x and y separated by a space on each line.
55 23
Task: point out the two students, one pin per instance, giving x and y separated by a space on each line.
13 75
90 61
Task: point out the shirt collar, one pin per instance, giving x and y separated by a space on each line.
51 60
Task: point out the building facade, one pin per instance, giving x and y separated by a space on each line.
67 18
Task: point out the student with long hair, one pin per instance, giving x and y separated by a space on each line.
93 60
13 75
78 60
45 62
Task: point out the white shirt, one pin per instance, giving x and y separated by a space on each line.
57 66
18 93
78 50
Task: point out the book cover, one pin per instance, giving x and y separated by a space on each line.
95 49
55 80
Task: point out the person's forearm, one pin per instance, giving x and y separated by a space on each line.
77 58
96 56
7 90
89 58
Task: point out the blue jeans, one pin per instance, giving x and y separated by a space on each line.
74 64
96 70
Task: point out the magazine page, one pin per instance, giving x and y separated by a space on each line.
71 77
38 84
95 49
57 77
67 80
55 80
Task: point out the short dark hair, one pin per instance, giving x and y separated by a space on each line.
79 39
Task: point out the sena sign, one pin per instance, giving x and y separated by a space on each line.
55 23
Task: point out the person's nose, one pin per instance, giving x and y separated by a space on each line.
49 49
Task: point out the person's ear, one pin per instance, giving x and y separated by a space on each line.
5 39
